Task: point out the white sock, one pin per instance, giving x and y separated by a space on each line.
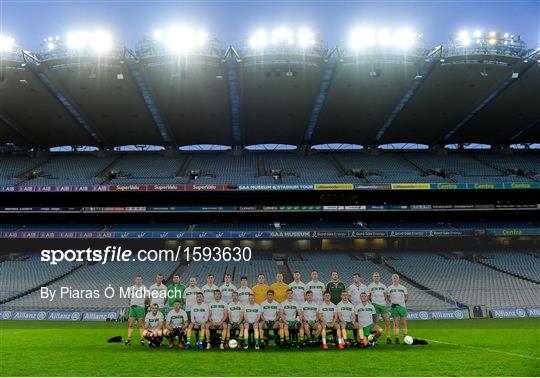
341 340
324 340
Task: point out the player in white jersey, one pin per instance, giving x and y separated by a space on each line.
289 314
158 294
209 288
345 311
153 326
244 291
398 297
235 311
252 317
190 294
311 328
227 289
269 316
316 286
218 317
176 323
366 316
356 288
199 317
138 297
378 296
328 318
298 288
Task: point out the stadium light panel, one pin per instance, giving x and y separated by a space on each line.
282 35
181 39
99 41
364 37
477 33
6 43
259 40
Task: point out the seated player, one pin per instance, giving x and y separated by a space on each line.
218 318
311 328
235 317
153 326
200 314
366 317
269 316
328 318
345 311
252 317
176 324
289 314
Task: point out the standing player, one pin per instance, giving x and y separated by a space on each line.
244 291
175 292
280 288
218 317
335 287
176 324
269 316
227 289
356 288
252 317
398 296
260 289
199 316
328 318
190 294
345 311
366 318
316 286
235 311
209 288
310 324
153 326
378 295
138 296
158 294
298 288
289 314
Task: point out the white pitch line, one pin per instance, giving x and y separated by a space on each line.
487 350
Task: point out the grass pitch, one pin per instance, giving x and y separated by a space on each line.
485 347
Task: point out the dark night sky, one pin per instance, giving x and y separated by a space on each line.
233 21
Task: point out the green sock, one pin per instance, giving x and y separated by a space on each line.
256 341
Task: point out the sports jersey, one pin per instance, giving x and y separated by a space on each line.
347 310
365 313
153 320
243 294
217 310
176 292
298 288
137 295
335 290
226 292
280 291
270 310
377 292
158 294
177 319
191 296
260 292
199 313
251 311
318 289
235 310
208 292
397 294
354 292
309 310
289 309
327 310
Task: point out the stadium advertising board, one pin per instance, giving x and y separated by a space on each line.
61 316
456 314
515 312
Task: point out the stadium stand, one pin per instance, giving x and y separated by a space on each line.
521 264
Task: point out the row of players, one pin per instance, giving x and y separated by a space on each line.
308 317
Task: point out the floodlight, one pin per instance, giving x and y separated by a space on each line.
281 35
492 34
463 34
361 38
306 38
50 46
506 35
385 37
477 33
6 43
492 41
158 35
259 40
76 40
404 38
181 39
101 42
466 41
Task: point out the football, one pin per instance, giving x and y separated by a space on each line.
408 340
233 343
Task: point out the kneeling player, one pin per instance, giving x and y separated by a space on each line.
235 311
175 325
153 326
252 317
311 328
345 311
289 313
366 316
200 314
269 316
328 318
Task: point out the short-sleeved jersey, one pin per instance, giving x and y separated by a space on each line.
235 311
309 310
176 292
289 309
243 294
346 309
251 311
158 294
327 310
191 296
217 310
354 292
137 295
177 319
199 313
335 290
280 291
299 289
208 292
377 292
270 310
226 292
153 320
318 289
364 313
260 292
397 294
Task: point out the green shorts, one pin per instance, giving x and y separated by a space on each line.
380 309
398 311
136 312
368 329
293 324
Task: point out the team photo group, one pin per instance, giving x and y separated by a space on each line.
293 315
